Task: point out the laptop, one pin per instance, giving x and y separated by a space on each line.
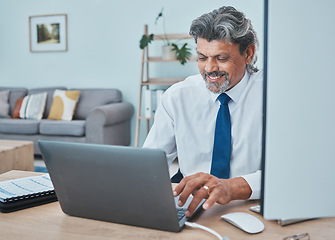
117 184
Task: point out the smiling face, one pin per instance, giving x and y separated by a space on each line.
221 64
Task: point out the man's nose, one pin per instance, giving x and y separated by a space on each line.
211 65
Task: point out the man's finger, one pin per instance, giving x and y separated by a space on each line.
198 197
179 188
192 184
210 201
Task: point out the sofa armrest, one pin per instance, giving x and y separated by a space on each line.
109 124
110 114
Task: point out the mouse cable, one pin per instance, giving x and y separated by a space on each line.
195 225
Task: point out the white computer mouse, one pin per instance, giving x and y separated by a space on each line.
244 221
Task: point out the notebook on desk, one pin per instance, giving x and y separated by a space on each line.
21 193
113 183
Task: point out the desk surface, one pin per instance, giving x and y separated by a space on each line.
49 222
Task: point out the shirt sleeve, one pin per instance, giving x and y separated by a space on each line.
254 181
161 135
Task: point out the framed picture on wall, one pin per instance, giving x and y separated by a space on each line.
48 33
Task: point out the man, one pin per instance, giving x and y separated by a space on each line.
186 122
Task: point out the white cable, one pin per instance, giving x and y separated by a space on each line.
195 225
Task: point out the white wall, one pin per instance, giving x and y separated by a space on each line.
103 39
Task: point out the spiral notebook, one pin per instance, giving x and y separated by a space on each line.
26 192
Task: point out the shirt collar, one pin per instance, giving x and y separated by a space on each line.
235 92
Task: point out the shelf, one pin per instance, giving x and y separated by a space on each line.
159 59
162 81
147 118
146 80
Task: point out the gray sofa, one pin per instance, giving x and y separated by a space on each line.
100 117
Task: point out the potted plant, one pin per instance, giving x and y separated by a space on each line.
170 51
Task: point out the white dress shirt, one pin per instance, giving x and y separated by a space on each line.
184 126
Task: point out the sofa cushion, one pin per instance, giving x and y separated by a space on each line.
64 104
66 128
19 126
92 98
14 94
4 104
50 91
33 106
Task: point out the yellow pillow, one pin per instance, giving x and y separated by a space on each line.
63 104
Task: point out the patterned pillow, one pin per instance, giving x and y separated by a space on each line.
64 104
4 105
33 106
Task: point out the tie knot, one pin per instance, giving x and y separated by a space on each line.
224 99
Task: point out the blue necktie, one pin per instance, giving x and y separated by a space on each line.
222 140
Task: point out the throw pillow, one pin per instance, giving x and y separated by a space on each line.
33 106
64 104
17 107
4 105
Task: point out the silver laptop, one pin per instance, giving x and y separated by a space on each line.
117 184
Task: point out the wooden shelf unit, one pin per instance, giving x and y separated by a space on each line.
159 59
146 81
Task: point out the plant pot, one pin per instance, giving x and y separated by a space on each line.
168 53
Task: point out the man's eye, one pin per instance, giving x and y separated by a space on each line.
202 58
222 59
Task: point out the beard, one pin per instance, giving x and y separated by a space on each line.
216 85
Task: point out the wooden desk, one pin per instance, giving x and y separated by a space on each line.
49 222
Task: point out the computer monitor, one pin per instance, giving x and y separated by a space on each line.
299 110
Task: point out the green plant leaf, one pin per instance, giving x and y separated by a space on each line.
183 54
145 40
160 14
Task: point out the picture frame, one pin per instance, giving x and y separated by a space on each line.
48 33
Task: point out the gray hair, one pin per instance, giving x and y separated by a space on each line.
226 23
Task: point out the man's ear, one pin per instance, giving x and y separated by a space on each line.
249 53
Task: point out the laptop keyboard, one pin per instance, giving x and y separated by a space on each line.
181 213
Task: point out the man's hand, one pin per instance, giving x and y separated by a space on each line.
204 185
